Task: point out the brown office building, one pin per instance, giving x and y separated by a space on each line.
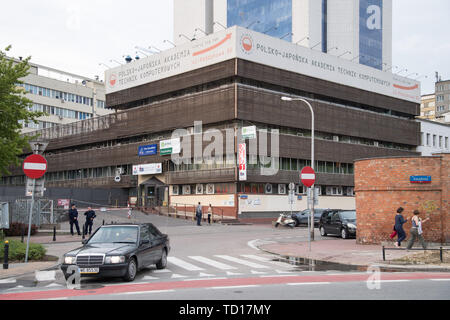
229 90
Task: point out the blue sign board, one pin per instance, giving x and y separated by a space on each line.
420 179
244 196
148 150
371 33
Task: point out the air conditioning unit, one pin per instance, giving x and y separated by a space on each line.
375 143
336 138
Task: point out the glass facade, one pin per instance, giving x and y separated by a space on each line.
275 17
371 33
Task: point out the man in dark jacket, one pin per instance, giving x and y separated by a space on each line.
90 215
73 219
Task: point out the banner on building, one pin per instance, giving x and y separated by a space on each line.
242 162
151 168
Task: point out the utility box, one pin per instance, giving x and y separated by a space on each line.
4 215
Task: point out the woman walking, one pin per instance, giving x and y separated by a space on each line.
416 230
399 222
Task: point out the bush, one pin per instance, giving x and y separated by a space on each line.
17 251
15 229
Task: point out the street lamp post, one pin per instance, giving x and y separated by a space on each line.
311 231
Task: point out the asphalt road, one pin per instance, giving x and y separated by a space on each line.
222 262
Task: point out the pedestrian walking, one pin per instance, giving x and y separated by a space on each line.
73 219
416 230
398 227
209 213
90 216
129 211
199 214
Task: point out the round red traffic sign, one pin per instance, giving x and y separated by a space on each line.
308 176
34 166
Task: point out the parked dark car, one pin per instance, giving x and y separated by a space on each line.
339 222
301 218
119 251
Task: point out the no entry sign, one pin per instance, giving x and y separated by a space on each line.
35 166
308 176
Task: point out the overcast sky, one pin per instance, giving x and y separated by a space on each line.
75 36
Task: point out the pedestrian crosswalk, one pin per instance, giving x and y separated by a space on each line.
179 268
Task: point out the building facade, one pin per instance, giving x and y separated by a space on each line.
442 98
434 137
428 107
357 30
179 134
63 96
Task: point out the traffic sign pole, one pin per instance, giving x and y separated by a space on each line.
308 178
29 221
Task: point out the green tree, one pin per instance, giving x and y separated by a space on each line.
14 106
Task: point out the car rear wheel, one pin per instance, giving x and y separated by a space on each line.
162 264
131 270
322 231
344 234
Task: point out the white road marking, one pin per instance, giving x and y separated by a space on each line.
258 272
176 276
235 287
213 263
244 262
146 292
440 279
206 275
229 273
53 285
45 275
305 283
149 278
279 275
387 281
162 271
203 279
10 280
184 264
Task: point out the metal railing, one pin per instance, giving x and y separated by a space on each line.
440 249
187 211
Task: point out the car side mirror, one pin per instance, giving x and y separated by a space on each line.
145 242
83 242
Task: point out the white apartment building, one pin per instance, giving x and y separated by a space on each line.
434 137
63 96
357 30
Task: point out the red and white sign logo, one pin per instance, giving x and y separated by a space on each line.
112 80
247 44
242 162
35 166
308 176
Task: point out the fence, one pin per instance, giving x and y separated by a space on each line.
44 211
187 211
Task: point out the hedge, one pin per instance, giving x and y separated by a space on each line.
18 249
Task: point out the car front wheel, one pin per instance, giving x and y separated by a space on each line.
131 270
344 234
162 264
322 231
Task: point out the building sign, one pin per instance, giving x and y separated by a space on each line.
371 33
64 203
148 150
420 179
151 168
249 132
167 147
242 162
238 42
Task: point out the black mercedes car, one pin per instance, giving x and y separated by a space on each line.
119 251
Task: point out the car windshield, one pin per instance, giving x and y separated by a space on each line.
348 215
115 234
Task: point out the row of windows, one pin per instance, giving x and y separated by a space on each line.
37 126
50 93
256 188
441 108
62 112
434 140
443 87
101 104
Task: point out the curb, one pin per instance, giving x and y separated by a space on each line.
411 268
31 272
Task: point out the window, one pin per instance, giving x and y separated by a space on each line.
434 140
428 139
446 142
440 142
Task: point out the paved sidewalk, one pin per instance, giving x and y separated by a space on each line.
347 252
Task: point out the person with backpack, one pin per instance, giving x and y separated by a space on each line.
199 214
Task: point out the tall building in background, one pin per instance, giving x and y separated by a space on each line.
442 98
63 96
358 30
428 107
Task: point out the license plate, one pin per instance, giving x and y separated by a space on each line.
89 270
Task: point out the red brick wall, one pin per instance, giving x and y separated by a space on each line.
383 185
